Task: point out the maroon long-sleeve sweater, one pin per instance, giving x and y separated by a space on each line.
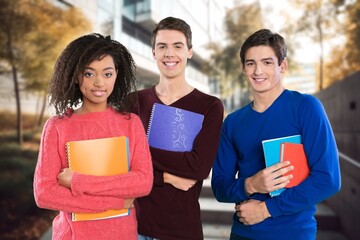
169 213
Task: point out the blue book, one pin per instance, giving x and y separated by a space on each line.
173 129
271 149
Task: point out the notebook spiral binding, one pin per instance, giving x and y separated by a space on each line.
150 120
67 149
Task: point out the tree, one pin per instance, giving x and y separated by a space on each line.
225 61
13 26
33 32
319 22
345 59
55 28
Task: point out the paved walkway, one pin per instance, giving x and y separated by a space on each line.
222 231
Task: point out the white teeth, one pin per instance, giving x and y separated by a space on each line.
99 93
259 79
170 64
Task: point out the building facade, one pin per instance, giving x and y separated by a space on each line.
131 22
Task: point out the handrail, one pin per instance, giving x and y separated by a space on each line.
350 160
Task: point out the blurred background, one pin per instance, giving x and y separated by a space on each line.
323 38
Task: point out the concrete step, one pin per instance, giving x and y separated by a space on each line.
217 221
216 231
215 212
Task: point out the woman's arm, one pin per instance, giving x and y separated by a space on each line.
48 193
136 183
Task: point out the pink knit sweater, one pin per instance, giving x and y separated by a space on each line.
92 193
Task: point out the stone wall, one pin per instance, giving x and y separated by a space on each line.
342 104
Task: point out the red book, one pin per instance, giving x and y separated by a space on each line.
295 154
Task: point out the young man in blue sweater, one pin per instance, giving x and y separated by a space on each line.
239 174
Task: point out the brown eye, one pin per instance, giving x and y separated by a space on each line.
88 74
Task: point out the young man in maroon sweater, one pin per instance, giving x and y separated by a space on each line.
172 210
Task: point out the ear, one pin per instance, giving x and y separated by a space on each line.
153 54
284 65
190 53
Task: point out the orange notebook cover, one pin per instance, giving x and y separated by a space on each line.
100 157
295 153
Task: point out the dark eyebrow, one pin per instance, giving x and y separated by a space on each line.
249 60
165 44
161 43
267 59
105 69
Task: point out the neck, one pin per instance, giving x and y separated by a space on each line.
171 91
85 108
263 101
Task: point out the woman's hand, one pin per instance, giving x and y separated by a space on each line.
64 177
129 203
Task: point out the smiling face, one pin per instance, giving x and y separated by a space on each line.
262 70
97 83
171 53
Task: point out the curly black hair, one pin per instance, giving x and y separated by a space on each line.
64 91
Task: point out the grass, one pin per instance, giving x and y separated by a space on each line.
8 121
21 218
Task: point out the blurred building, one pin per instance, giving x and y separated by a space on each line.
131 22
303 80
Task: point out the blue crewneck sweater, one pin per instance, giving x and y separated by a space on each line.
240 155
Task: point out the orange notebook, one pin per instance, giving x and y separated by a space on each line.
100 157
295 153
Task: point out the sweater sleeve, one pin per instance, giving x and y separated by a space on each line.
195 164
321 150
136 183
225 186
48 194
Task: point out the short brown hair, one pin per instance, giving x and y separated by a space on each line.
264 37
171 23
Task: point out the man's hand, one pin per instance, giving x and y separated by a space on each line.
64 178
179 182
252 211
269 179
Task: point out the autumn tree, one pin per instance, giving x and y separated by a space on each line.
13 26
225 61
345 59
55 28
319 22
32 33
